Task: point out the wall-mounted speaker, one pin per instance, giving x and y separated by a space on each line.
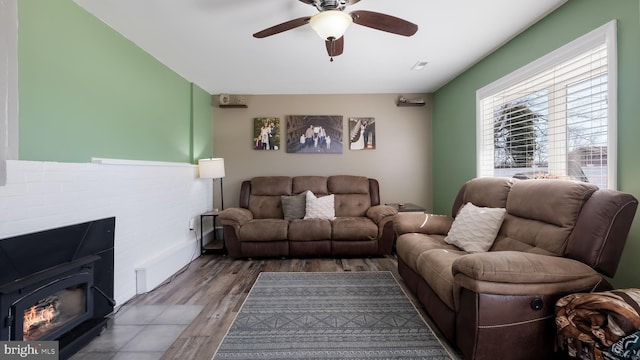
238 100
228 100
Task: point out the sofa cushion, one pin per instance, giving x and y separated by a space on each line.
488 191
410 245
475 228
264 230
266 207
271 185
309 230
520 267
520 234
521 273
352 204
319 207
541 214
315 184
294 206
354 228
348 184
555 202
264 201
434 266
351 194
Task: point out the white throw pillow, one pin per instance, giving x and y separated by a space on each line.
320 208
475 228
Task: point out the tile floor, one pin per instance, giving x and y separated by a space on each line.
140 332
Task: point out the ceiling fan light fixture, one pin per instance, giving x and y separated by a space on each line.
330 24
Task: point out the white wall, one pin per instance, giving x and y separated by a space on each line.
152 203
401 161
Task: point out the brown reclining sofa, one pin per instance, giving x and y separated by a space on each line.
259 227
556 237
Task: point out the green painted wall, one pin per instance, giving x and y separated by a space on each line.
454 124
85 91
202 125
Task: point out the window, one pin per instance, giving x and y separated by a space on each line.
555 117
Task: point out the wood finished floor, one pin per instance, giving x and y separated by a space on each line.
221 284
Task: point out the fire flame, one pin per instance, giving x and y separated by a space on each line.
37 317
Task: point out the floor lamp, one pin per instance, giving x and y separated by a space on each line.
213 169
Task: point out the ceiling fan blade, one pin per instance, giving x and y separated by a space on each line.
384 22
350 2
310 2
335 47
287 25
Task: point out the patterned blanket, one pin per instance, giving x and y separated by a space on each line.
627 347
595 321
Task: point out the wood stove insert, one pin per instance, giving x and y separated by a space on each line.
57 284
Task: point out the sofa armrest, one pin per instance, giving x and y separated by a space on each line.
379 212
428 224
517 273
235 216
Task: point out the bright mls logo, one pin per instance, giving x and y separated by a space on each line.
32 350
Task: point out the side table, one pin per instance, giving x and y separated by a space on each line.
203 250
407 207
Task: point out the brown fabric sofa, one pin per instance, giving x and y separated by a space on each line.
557 237
258 228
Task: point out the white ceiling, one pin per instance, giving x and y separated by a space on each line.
210 42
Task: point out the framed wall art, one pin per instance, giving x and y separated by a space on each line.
314 134
266 133
362 133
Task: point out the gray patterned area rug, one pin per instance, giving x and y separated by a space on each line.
347 315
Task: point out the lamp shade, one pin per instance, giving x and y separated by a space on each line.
211 168
330 24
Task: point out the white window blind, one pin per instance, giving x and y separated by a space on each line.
554 118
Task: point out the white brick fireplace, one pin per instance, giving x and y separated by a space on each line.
151 201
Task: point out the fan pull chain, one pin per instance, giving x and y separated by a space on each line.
332 41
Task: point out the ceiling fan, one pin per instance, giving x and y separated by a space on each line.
332 21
